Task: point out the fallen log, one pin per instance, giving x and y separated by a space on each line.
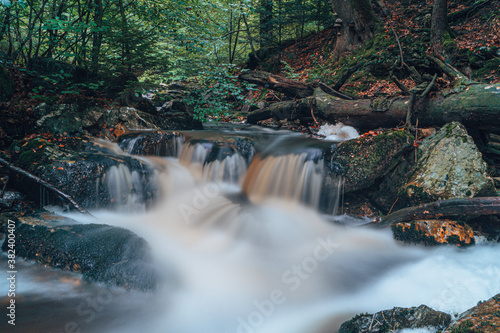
291 88
43 183
452 208
475 106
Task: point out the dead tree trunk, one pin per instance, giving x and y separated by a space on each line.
291 88
452 208
477 106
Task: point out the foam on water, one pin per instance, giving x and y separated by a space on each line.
231 265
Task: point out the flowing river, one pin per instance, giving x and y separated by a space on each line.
247 244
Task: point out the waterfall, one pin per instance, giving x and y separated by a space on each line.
241 247
291 177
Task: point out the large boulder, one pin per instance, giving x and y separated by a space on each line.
365 160
71 119
449 166
94 176
102 253
484 318
397 319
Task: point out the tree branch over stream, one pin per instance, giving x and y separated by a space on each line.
452 208
44 184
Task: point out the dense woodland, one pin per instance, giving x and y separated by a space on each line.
362 47
419 80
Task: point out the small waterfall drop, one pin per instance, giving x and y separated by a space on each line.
234 260
211 161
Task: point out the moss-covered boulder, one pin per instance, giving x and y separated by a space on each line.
397 319
434 232
6 85
449 166
92 174
483 318
365 160
103 253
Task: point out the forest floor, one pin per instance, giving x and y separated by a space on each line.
472 44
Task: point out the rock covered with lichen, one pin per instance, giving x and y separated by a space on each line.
396 319
449 166
484 318
434 232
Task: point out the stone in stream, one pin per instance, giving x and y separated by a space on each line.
483 318
103 253
396 319
449 166
94 177
434 232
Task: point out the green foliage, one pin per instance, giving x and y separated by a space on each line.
218 92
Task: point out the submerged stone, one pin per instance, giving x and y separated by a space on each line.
449 166
396 319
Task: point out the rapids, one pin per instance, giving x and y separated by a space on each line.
248 251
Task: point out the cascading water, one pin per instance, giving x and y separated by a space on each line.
255 260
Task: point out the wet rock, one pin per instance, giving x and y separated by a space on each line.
483 318
396 319
449 166
94 178
365 160
156 143
102 253
434 232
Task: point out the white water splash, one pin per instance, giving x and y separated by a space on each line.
338 132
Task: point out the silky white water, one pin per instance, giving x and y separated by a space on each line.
229 265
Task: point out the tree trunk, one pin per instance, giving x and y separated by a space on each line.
291 88
265 22
439 24
477 106
357 24
97 39
126 54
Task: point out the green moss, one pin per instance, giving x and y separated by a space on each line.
33 152
454 239
465 327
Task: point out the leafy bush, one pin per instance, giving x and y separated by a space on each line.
218 91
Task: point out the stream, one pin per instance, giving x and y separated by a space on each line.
250 241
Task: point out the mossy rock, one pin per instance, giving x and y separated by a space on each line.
363 161
434 232
396 319
103 253
483 318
